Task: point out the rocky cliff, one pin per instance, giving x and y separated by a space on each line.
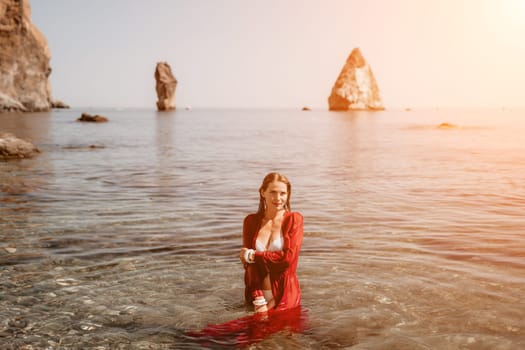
24 60
356 87
165 86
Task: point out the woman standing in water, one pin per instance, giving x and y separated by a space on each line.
272 239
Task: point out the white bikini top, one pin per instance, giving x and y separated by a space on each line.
275 245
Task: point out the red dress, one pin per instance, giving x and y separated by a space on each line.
280 265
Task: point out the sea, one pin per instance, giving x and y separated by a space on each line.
125 234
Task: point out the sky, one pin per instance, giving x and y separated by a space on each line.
284 53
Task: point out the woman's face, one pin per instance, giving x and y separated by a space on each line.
275 195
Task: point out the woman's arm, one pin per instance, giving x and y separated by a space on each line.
247 231
247 237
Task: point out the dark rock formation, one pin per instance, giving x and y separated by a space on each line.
356 87
57 104
85 117
165 86
11 147
24 60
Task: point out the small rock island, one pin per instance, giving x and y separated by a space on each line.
355 88
85 117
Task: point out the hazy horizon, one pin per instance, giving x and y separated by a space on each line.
247 54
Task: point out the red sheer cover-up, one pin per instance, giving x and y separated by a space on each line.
251 329
281 267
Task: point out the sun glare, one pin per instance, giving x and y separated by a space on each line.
514 11
505 21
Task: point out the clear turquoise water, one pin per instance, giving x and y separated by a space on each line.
413 234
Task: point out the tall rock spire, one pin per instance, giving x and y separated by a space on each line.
165 86
356 87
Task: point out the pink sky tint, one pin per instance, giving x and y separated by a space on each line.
285 54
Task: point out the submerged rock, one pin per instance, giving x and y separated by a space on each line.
83 147
445 125
11 147
85 117
24 60
165 86
356 87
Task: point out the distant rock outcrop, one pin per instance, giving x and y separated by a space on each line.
24 60
12 147
85 117
356 87
165 86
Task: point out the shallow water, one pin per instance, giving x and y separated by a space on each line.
124 235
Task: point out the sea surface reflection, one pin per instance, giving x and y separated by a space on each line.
124 235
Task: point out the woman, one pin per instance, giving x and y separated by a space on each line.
272 239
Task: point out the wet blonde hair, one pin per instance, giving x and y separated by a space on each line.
266 181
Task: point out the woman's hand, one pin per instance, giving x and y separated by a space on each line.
241 255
